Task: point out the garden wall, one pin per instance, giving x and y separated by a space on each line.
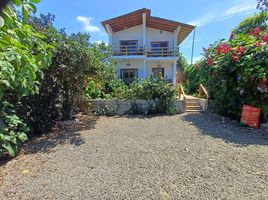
121 107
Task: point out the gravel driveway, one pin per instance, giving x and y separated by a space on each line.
189 156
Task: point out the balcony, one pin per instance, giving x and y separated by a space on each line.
134 50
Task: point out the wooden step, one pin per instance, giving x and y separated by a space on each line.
192 100
194 111
192 103
193 108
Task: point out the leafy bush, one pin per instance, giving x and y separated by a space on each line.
114 89
23 57
155 90
12 130
159 91
74 61
236 71
191 85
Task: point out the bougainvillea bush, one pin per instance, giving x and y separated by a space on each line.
236 71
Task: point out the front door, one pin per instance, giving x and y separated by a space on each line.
129 75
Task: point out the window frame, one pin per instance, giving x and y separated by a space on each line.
129 80
159 68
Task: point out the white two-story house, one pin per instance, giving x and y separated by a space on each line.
145 46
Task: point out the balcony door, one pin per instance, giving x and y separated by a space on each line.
129 47
128 75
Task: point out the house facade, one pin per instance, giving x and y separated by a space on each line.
146 46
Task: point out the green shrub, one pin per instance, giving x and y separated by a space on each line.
12 130
114 89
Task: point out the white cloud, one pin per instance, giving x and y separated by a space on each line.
195 59
244 7
87 22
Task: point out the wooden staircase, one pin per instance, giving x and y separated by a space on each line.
192 105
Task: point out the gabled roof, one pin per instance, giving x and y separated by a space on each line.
135 18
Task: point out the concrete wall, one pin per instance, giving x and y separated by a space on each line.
121 107
134 64
158 35
133 33
136 33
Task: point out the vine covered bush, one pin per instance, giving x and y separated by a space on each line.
236 71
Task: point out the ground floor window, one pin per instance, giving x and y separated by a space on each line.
128 75
159 71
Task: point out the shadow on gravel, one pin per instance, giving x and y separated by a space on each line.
231 132
61 134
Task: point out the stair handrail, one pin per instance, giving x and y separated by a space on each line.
203 89
181 92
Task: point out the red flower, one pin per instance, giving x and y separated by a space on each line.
236 58
257 31
265 38
223 48
240 50
210 62
232 35
258 44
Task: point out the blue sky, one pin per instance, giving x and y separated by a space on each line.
214 19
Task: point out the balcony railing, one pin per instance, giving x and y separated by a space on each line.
126 50
134 50
160 52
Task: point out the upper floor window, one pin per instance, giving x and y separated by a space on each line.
159 48
159 44
129 47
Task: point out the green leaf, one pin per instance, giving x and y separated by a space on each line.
2 22
23 137
18 2
35 1
10 149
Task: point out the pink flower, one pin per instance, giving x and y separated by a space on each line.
232 35
236 58
223 48
265 38
240 50
210 62
257 31
258 44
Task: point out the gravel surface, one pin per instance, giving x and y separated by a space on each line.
189 156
